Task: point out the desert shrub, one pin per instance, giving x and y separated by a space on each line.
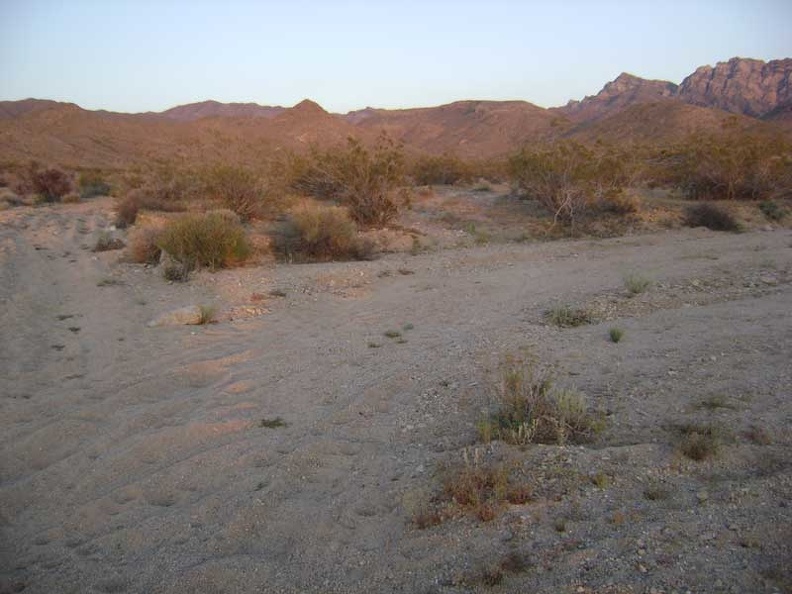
699 442
71 198
533 409
365 180
213 240
128 207
91 184
711 216
106 242
50 183
446 169
318 233
616 334
772 210
143 245
566 316
636 283
730 165
568 178
240 190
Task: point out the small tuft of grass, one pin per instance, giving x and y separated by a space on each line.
109 282
600 480
407 327
636 283
758 435
406 271
277 293
616 334
392 334
374 345
566 316
656 491
176 273
534 410
273 423
207 314
715 402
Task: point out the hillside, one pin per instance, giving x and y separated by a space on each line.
627 109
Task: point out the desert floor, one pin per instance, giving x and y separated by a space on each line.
138 459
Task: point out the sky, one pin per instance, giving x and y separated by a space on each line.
149 55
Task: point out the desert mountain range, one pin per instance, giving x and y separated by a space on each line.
749 93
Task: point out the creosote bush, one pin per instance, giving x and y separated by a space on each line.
93 183
128 207
240 190
533 409
365 180
318 233
446 169
711 216
212 240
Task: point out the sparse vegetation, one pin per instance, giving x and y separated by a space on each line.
364 180
241 190
772 210
273 423
636 283
92 184
566 316
106 242
213 240
533 409
208 313
143 245
616 334
699 442
318 233
50 184
711 216
392 334
446 169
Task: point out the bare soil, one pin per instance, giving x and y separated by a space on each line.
289 446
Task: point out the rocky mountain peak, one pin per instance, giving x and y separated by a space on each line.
741 85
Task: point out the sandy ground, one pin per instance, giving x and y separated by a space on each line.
135 459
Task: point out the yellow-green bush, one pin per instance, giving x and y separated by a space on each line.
318 233
213 240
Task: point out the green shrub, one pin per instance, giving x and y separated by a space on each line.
317 233
711 216
636 283
213 240
616 334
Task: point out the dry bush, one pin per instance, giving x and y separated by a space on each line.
729 165
213 240
145 198
92 183
242 191
532 409
143 245
318 233
364 180
106 242
50 184
568 178
446 169
711 216
71 198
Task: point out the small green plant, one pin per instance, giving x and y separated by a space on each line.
214 240
407 327
600 480
374 345
392 334
532 409
274 423
616 334
208 313
636 283
566 316
711 216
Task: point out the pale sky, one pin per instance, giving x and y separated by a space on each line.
141 55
